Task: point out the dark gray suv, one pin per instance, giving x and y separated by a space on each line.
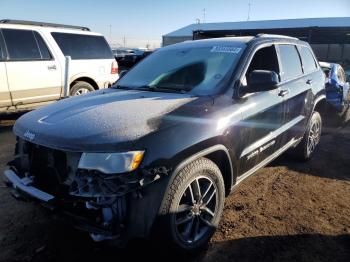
160 150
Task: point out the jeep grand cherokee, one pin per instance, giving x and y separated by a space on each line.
160 150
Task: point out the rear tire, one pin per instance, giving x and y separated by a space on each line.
345 117
81 88
192 206
306 148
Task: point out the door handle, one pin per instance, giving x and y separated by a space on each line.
51 67
283 92
309 82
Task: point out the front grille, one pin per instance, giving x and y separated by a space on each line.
49 169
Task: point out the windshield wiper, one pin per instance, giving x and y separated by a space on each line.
156 88
121 87
160 88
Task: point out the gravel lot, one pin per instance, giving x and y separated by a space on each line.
288 211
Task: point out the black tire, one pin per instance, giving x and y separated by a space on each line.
80 88
306 148
345 117
204 173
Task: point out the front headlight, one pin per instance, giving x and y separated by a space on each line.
111 163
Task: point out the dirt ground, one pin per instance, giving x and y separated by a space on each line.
288 211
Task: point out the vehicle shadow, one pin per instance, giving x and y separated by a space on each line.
304 247
330 160
5 128
69 245
8 120
61 243
7 138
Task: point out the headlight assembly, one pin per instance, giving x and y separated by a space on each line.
111 163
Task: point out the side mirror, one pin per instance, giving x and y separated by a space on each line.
261 80
122 73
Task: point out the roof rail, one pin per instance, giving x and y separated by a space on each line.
276 36
43 24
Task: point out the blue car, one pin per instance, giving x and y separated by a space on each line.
337 89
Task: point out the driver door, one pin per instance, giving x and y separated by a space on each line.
261 130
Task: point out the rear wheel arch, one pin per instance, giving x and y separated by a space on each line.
320 105
85 79
322 108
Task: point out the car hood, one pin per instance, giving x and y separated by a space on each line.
99 121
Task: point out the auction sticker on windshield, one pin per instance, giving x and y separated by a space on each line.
225 49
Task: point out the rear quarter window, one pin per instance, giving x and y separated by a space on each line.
79 46
290 62
309 63
44 50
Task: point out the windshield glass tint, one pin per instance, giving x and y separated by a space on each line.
195 70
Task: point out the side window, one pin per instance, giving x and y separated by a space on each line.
44 50
80 46
309 63
21 44
1 49
290 62
264 59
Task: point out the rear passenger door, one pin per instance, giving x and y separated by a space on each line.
5 98
295 88
33 74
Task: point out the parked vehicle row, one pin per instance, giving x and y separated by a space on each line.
32 63
130 57
157 153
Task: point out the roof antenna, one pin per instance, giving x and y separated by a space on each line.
248 18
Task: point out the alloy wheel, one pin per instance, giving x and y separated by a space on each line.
81 91
314 136
196 210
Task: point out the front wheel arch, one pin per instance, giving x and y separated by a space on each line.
219 154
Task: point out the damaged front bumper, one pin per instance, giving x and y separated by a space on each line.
24 185
107 206
102 219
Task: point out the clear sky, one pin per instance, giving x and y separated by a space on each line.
142 21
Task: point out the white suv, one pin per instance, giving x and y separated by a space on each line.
32 63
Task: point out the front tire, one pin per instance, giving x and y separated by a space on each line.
306 148
192 206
